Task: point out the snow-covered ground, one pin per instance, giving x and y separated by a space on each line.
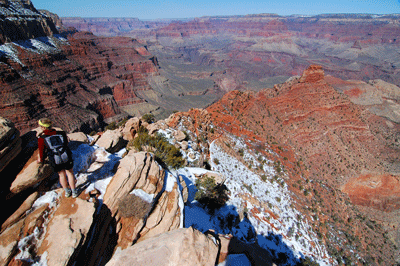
277 227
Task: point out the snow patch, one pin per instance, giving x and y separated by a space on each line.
49 197
143 195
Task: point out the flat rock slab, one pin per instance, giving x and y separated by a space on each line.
67 230
185 246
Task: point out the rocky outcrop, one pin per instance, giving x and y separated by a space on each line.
20 21
313 73
317 132
179 247
131 128
140 175
376 191
10 142
67 231
21 211
53 233
31 175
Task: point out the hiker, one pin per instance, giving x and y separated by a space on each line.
54 144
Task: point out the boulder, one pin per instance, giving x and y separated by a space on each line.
185 246
139 172
153 128
10 142
131 128
79 137
9 241
185 189
112 141
179 135
165 216
184 145
191 155
31 175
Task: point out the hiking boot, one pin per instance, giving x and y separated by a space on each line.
67 192
75 193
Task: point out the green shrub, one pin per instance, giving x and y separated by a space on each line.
122 122
165 153
307 261
216 161
149 118
264 178
111 126
209 194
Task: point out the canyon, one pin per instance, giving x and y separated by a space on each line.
258 51
298 116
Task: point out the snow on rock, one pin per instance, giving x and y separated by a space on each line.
41 45
143 195
49 197
269 218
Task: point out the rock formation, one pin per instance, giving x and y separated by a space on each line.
258 51
179 247
340 145
31 175
79 83
20 21
139 172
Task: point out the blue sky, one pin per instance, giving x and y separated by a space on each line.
153 9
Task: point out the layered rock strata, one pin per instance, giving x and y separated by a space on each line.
20 21
79 82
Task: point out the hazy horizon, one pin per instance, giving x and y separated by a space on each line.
181 9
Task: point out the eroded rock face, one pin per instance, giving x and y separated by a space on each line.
20 20
78 82
131 128
313 73
10 142
139 173
178 247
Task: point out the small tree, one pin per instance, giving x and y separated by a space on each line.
165 153
149 118
210 194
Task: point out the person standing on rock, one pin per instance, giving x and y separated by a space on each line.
54 144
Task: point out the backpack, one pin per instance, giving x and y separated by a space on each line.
57 149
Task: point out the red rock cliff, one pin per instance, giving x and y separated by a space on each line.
78 82
20 20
